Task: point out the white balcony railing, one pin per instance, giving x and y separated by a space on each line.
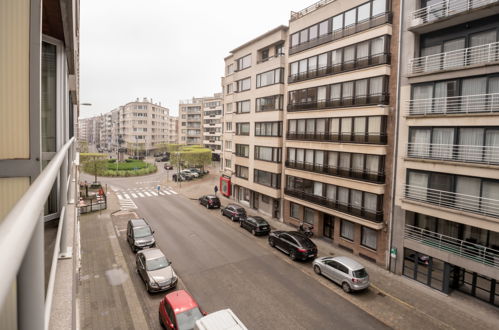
452 200
444 9
466 104
453 152
456 59
462 248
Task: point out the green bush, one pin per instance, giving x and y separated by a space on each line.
111 161
129 170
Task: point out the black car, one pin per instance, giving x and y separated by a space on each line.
210 201
297 245
178 177
256 225
140 235
234 212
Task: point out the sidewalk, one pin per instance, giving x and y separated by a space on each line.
397 301
106 294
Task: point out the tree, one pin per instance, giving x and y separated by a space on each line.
94 164
83 146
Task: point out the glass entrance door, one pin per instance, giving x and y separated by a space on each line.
328 229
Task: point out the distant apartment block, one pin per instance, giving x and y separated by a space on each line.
200 122
139 126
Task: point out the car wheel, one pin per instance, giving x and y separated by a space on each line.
232 218
253 232
346 287
240 224
208 206
317 270
292 255
271 243
147 287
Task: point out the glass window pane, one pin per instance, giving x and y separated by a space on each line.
338 22
364 12
49 97
323 28
350 17
379 7
313 32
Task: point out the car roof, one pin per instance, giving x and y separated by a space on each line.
152 253
181 301
296 234
140 222
211 196
258 219
350 263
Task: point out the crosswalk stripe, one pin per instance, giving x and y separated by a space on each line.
119 196
162 193
174 192
147 194
133 195
167 192
140 194
126 196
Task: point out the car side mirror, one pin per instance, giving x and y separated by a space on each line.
171 326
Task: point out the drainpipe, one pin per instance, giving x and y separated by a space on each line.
396 133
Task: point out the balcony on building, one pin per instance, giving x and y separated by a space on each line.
436 15
333 170
459 59
463 194
480 154
469 247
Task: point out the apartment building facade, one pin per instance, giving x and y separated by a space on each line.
446 227
200 122
212 124
138 126
39 102
254 99
339 123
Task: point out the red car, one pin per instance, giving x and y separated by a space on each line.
178 310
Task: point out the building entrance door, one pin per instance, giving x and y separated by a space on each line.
474 284
328 229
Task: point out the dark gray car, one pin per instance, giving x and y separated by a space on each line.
139 235
155 270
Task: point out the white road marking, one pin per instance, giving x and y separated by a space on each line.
140 194
133 195
126 196
174 192
162 193
145 192
167 192
119 196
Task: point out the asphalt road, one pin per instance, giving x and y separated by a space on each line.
223 266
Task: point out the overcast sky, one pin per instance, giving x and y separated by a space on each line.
163 49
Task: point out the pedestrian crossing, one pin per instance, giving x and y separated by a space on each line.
127 196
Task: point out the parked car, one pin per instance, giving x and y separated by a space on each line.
297 245
256 225
188 172
179 311
168 167
187 175
223 319
140 235
234 212
348 273
422 258
210 201
155 270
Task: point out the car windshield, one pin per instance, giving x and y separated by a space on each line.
360 273
241 211
157 263
213 198
186 320
142 232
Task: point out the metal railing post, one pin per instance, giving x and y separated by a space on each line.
64 253
31 282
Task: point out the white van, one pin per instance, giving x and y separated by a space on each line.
224 319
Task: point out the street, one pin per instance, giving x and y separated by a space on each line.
223 266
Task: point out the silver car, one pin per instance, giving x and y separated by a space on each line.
155 270
346 272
